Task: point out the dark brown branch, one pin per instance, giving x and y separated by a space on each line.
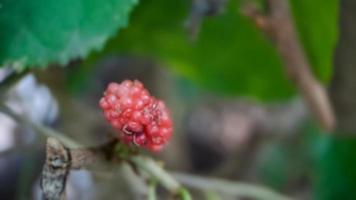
279 25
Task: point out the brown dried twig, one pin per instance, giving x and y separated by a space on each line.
55 170
278 24
60 160
63 154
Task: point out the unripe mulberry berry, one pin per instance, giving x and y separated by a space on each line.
142 119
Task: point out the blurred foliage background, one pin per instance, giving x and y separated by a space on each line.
237 115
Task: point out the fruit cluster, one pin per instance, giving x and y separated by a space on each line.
142 119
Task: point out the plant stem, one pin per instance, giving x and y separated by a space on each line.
162 176
278 23
228 187
156 171
152 190
43 130
184 194
146 164
211 195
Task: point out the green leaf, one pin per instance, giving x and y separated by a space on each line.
333 163
336 169
317 22
37 33
231 56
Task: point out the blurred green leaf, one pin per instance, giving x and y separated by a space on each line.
317 22
37 33
336 169
230 55
276 165
333 163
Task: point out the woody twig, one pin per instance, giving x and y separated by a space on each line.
63 155
60 160
279 26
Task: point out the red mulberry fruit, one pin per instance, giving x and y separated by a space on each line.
142 119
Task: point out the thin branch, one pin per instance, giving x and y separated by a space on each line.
279 25
60 160
211 195
11 78
228 187
39 128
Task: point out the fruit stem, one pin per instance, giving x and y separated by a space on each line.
152 184
163 177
